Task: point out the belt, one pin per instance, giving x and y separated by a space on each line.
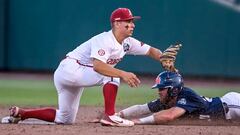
78 62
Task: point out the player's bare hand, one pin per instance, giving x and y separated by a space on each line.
131 79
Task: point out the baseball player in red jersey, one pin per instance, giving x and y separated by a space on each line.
91 64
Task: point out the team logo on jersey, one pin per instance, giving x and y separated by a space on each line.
126 47
113 61
182 101
101 52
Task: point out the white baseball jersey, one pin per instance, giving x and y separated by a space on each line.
105 47
72 74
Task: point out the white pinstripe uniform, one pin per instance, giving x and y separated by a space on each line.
232 99
76 72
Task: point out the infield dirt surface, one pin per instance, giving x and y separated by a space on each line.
87 113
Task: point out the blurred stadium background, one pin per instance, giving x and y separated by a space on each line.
35 35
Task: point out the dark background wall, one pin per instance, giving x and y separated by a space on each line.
40 33
2 30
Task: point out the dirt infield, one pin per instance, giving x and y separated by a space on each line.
86 114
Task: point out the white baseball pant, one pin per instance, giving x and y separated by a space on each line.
70 78
233 101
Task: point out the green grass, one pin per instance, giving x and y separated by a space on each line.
27 92
43 93
214 91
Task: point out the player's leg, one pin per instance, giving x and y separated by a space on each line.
68 102
65 78
18 114
110 92
110 88
46 114
110 118
67 91
232 99
69 83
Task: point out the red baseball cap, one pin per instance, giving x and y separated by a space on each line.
122 14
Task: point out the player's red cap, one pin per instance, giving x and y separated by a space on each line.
122 14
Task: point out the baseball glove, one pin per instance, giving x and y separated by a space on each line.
168 57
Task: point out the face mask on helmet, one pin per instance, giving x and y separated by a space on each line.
170 80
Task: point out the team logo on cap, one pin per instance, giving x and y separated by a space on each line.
116 19
101 52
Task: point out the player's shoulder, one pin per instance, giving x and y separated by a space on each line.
133 41
103 39
103 35
188 92
130 39
186 96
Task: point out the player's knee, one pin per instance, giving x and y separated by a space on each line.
65 117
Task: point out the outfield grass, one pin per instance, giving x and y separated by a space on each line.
43 93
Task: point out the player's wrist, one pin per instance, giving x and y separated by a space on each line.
147 120
121 73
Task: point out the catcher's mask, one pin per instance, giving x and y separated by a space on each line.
171 80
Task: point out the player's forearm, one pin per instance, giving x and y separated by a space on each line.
154 53
155 118
135 111
105 69
162 117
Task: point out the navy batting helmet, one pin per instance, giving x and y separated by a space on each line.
171 80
